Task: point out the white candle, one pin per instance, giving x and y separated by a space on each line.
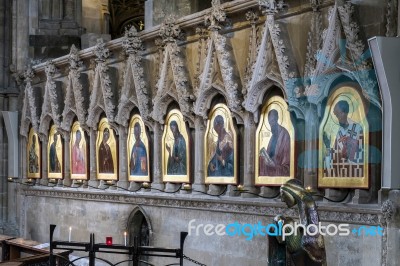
69 236
125 237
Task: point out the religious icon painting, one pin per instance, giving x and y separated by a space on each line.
175 151
55 154
343 142
274 144
138 151
78 153
106 152
33 155
220 147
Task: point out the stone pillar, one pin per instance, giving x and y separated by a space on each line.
93 182
45 175
3 177
157 158
23 158
311 147
67 161
148 14
391 219
249 159
123 159
199 171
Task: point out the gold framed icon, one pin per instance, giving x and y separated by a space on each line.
33 155
138 151
106 152
275 138
78 153
175 149
344 142
220 147
55 154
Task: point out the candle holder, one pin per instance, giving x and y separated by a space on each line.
146 185
52 181
187 186
240 187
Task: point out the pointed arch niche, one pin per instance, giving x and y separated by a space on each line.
139 225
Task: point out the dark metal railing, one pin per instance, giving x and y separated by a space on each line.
135 251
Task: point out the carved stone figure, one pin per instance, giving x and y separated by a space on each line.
302 248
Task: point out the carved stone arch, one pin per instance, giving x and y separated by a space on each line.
124 112
68 119
255 96
136 214
163 103
204 99
45 125
325 86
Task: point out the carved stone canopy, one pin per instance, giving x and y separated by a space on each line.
173 83
52 100
134 91
337 57
102 97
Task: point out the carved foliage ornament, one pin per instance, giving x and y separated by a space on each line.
215 17
272 6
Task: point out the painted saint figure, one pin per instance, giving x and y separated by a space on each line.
177 155
55 166
78 155
106 164
138 163
33 158
346 155
222 162
275 160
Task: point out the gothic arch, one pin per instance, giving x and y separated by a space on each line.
135 219
204 99
254 97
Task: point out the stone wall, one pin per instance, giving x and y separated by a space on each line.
107 213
